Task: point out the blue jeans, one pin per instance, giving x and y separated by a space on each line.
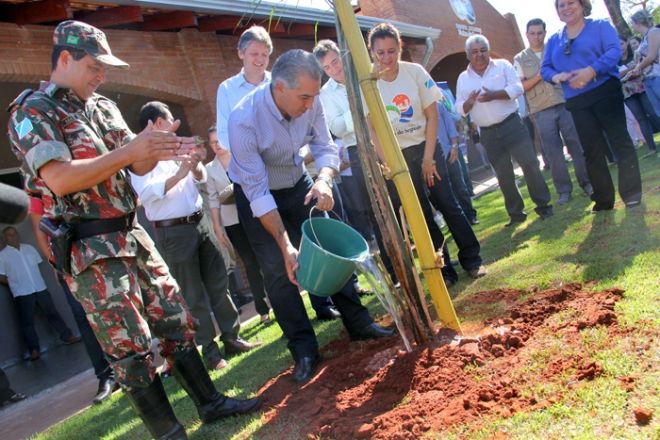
26 305
443 199
652 88
101 365
644 113
551 122
284 296
510 139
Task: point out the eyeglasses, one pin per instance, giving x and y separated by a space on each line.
567 46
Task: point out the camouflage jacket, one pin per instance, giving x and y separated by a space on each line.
54 124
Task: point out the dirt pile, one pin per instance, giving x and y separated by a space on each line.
377 390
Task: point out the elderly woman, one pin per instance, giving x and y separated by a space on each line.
649 64
583 58
410 96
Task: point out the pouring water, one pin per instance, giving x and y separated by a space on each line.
372 267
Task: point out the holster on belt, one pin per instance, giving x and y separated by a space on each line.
61 239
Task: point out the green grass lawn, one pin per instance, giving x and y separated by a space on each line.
618 248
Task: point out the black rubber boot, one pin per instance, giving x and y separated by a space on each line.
155 411
189 370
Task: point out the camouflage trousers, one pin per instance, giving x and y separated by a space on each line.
127 299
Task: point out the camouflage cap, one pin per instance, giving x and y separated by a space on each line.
79 35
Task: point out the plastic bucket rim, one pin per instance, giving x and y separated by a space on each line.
366 251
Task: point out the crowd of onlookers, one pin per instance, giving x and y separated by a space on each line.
245 206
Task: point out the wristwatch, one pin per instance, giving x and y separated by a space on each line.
326 179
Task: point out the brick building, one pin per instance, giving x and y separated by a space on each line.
180 51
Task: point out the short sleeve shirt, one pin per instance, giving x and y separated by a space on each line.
405 99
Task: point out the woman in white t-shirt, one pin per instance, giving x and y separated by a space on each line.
410 97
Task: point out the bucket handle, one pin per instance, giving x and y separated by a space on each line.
311 223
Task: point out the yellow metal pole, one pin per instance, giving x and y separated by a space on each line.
396 163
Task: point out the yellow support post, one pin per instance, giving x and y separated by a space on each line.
396 163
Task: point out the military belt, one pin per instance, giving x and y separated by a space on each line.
192 218
90 228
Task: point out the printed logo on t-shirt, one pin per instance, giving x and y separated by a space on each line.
400 111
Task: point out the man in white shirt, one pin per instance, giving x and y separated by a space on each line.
173 203
487 91
547 110
19 269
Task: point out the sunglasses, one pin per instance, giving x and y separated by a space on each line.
567 46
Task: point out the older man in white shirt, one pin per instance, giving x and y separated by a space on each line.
19 269
487 91
173 203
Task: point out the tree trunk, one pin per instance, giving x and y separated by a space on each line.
614 9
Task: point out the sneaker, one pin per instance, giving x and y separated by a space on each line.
564 198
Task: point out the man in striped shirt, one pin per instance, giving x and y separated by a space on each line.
267 131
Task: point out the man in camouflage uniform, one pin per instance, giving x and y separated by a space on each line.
77 144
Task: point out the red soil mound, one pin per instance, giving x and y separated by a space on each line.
376 390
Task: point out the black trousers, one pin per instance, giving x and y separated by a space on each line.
239 240
413 156
600 117
283 295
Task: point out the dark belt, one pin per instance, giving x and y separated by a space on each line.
90 228
505 120
192 218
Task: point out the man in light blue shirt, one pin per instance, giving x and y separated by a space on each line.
254 49
267 131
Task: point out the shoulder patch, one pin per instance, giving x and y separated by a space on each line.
24 128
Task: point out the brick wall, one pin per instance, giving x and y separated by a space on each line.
180 67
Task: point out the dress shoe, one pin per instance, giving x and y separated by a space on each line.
305 368
328 314
544 215
474 221
372 331
72 340
588 190
216 363
106 387
633 203
477 272
16 397
448 282
601 207
238 345
514 221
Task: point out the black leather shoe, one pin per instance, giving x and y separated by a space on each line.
514 221
328 314
238 345
372 331
305 368
189 370
474 221
106 387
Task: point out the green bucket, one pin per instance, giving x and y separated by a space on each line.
328 250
